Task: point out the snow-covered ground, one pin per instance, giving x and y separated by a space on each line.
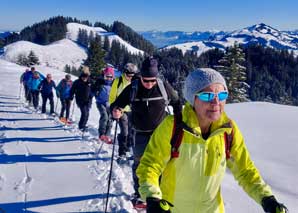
47 168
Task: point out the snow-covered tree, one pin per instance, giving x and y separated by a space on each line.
32 58
22 60
231 66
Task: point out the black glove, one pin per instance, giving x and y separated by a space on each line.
271 205
155 205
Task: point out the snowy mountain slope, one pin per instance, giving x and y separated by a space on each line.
41 164
55 55
199 46
63 52
73 30
259 33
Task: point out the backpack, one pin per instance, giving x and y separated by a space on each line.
177 135
161 86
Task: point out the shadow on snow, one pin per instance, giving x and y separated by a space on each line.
58 127
22 207
52 139
48 158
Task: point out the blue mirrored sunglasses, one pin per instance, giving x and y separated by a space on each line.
209 96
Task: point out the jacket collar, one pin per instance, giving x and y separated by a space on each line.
190 118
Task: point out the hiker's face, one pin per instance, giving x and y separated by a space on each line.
148 83
49 78
128 76
210 111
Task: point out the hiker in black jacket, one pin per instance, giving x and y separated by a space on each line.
146 96
81 88
46 87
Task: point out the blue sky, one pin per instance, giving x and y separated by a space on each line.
186 15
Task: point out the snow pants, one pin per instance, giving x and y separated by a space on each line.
105 120
45 97
141 141
65 106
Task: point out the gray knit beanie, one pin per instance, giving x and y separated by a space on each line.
130 68
199 79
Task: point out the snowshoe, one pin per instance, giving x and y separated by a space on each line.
62 120
121 159
106 139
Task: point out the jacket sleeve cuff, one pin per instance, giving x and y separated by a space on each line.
148 190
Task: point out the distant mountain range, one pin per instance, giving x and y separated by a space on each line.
162 39
202 41
4 34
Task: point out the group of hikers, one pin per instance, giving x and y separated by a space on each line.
35 83
180 159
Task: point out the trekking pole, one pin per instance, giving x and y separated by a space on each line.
73 107
56 107
20 91
111 167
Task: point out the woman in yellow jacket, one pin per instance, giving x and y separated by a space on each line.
125 138
191 182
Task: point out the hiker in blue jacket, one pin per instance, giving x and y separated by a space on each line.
63 92
33 85
102 89
23 80
46 88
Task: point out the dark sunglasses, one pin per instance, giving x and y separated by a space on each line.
209 96
149 80
129 74
108 76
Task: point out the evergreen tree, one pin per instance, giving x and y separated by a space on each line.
67 69
233 69
91 37
83 37
22 60
32 58
106 44
95 60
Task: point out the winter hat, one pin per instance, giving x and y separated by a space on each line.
149 68
67 77
86 70
130 68
84 75
199 79
109 71
35 74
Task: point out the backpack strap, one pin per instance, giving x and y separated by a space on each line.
228 141
133 91
119 82
177 135
163 91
